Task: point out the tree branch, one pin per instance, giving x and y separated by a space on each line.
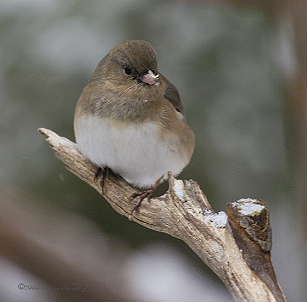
238 251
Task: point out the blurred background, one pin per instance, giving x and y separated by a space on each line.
240 69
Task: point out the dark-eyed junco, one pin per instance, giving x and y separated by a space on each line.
129 118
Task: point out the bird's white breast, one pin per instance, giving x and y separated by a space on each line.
135 151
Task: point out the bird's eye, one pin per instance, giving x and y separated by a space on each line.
128 70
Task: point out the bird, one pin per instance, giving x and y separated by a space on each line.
129 119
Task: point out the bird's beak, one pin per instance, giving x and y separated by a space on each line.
150 78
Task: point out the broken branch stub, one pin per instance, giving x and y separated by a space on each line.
249 220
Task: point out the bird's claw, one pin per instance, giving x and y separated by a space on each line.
141 195
145 194
102 174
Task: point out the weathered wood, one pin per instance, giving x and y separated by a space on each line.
240 261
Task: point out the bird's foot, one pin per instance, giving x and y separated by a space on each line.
141 195
145 194
101 175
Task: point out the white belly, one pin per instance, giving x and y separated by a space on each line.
136 152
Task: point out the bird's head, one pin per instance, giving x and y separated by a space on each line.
132 61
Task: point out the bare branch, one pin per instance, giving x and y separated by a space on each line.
235 251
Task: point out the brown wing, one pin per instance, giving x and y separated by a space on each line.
172 94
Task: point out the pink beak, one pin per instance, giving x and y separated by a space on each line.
150 78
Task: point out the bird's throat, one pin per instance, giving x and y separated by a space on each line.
128 107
